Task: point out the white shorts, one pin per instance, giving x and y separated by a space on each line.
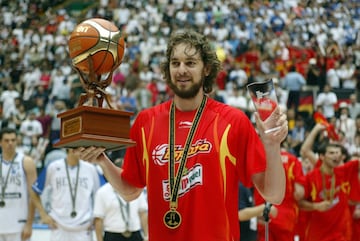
61 235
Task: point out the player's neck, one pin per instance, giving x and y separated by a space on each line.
188 104
72 161
327 169
8 156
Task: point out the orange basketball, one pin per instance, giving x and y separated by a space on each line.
100 39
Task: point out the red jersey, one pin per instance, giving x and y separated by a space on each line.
355 235
286 219
224 150
333 224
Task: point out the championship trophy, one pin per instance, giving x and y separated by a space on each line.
96 48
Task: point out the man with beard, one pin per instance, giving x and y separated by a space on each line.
192 151
325 193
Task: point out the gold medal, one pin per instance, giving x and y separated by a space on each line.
127 234
172 219
73 214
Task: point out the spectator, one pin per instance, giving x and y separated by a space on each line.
58 107
238 99
327 100
346 74
19 116
313 74
143 96
354 106
128 101
345 123
56 82
277 23
238 76
297 135
31 130
7 100
332 76
293 81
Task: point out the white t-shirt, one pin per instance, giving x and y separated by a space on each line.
107 207
30 128
327 101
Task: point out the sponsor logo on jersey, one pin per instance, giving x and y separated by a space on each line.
192 178
161 153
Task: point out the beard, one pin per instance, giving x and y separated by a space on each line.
186 93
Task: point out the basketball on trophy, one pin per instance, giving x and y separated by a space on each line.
99 39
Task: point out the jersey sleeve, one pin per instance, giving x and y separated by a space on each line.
354 181
251 152
133 167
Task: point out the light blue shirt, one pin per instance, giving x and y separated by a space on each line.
294 81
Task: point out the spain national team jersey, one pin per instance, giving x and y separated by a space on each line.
282 227
333 224
224 150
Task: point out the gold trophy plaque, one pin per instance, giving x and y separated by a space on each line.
89 124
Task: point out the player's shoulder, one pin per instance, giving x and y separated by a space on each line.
158 112
106 187
156 109
105 191
56 163
27 161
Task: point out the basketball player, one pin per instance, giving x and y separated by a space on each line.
117 219
17 172
72 184
192 151
325 195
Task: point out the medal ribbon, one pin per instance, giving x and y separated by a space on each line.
4 184
331 191
174 187
126 220
73 195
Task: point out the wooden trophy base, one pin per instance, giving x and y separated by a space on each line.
87 126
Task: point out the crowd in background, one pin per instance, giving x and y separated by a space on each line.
302 45
255 40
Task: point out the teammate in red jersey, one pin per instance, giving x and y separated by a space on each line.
326 192
282 227
192 151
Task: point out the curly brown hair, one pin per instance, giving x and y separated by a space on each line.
203 46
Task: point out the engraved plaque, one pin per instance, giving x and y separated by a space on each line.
94 126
